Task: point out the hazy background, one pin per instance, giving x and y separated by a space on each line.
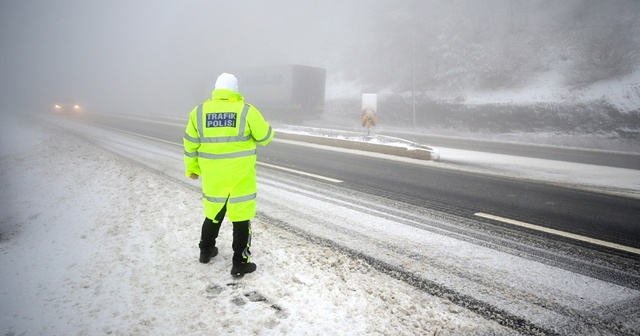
144 56
166 55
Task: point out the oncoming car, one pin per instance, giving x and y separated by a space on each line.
66 106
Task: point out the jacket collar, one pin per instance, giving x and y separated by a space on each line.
224 94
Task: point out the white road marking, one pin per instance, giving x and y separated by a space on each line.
149 118
559 233
300 172
136 134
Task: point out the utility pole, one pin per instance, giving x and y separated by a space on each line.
413 72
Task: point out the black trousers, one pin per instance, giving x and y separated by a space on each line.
241 236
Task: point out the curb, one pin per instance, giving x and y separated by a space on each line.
422 153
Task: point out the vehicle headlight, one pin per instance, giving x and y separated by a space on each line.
76 107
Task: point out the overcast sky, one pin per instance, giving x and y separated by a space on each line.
149 54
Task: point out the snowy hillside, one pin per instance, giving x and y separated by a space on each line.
622 93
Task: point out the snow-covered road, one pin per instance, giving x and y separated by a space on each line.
92 241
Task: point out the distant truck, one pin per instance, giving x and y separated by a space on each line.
286 93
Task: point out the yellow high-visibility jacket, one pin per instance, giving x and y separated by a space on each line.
220 146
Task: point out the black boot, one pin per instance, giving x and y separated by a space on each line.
206 253
241 254
210 229
240 269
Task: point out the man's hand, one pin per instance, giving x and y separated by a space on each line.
193 176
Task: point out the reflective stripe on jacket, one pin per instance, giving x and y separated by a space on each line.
220 146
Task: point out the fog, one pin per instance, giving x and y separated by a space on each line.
163 57
141 55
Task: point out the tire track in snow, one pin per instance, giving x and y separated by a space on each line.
573 320
483 309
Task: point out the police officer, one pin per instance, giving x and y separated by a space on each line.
220 146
